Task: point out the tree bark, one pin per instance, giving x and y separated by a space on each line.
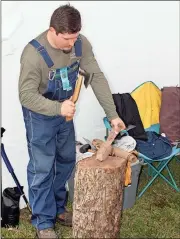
98 197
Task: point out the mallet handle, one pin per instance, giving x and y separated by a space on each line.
76 93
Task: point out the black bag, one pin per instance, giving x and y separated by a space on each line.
128 111
10 211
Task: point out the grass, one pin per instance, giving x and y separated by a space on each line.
155 215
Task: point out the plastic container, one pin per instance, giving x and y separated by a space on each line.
129 195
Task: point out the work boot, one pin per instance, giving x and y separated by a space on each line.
46 233
65 219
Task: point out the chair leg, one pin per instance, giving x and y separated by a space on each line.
158 167
175 185
158 173
145 188
178 159
149 171
145 171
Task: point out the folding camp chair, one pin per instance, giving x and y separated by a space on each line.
155 170
155 167
148 99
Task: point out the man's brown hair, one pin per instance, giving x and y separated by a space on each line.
66 19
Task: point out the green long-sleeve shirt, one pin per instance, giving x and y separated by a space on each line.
34 77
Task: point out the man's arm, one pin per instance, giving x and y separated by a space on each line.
99 83
29 80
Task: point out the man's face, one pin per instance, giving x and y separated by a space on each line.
65 41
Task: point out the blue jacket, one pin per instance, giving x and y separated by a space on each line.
156 147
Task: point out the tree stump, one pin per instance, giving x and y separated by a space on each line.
98 197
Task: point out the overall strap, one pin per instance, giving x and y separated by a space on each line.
43 52
78 47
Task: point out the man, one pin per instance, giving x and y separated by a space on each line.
49 70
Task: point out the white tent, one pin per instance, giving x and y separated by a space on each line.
133 41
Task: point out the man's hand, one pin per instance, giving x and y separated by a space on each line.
68 108
117 125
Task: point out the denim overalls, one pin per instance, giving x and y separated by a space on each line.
51 145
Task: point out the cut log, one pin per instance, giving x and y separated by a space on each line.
104 151
124 154
105 148
98 198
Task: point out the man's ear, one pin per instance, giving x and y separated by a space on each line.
51 29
